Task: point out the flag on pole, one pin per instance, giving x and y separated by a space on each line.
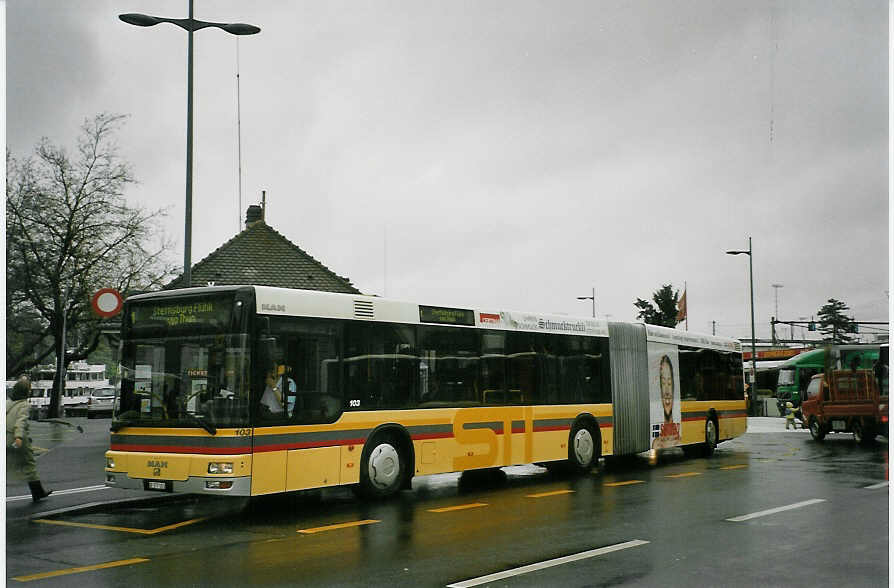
681 308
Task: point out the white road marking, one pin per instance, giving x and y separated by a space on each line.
546 564
876 486
61 492
764 513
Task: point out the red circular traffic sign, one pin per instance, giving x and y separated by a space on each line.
107 302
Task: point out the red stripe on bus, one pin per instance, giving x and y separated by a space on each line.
177 449
307 445
556 428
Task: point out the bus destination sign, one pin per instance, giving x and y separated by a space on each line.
446 316
214 311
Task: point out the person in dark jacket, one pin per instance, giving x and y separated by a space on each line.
19 455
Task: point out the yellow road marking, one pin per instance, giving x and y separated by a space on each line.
553 493
684 475
625 483
111 564
338 526
734 467
459 507
122 529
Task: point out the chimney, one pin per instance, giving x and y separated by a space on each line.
254 214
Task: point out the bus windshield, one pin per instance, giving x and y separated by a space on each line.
185 381
180 367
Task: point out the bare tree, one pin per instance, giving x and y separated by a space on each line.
70 232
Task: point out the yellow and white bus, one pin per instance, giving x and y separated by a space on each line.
369 392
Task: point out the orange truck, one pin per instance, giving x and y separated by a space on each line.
847 401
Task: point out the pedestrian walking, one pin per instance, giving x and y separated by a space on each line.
20 462
790 416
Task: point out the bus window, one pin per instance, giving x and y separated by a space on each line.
493 370
691 385
521 371
450 356
307 350
381 366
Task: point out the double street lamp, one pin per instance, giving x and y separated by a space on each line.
190 25
753 352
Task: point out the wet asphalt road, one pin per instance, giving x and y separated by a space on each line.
668 521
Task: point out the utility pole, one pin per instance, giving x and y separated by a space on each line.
776 288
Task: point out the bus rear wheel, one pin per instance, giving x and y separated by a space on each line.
382 467
584 447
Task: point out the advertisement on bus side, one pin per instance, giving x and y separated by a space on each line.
664 395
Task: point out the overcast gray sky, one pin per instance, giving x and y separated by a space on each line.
512 154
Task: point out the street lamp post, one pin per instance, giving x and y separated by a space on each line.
190 25
753 350
593 298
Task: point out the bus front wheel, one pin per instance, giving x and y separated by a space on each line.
382 467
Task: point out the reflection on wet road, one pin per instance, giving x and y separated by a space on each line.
734 519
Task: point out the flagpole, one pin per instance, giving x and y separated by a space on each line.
686 294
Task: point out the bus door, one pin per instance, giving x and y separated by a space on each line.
309 379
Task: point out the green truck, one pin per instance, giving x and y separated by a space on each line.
795 374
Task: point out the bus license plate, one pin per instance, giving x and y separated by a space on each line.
838 425
159 485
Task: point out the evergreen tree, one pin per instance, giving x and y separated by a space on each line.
664 311
834 324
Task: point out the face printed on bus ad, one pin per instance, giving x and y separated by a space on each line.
666 381
664 395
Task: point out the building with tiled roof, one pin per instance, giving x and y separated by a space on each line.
260 256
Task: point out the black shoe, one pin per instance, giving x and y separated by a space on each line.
37 491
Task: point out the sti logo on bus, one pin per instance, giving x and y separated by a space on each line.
273 307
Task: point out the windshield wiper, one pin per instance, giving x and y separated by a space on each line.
201 422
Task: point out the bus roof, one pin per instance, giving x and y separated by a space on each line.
275 301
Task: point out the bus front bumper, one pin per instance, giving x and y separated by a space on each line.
193 485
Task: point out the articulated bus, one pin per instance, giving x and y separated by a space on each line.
251 390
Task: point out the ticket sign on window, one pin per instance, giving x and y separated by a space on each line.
446 316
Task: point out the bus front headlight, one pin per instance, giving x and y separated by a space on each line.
220 467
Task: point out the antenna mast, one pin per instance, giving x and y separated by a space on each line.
239 137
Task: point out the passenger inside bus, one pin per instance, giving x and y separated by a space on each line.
271 400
